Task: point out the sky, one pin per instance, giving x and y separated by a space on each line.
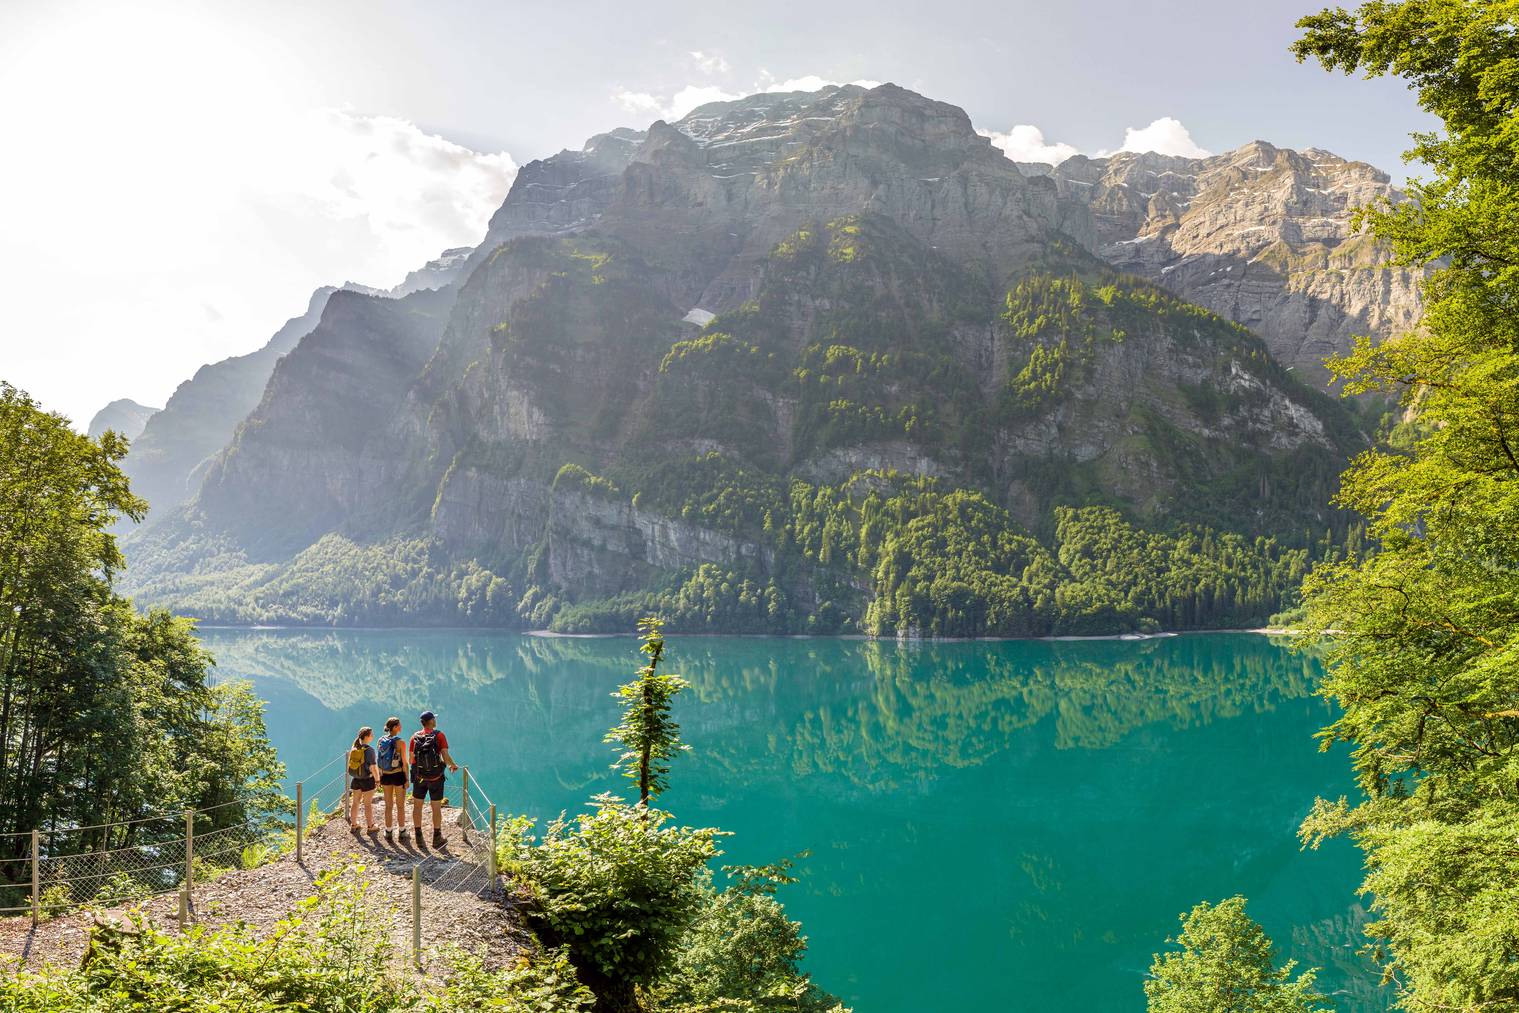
179 176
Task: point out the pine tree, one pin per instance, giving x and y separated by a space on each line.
649 736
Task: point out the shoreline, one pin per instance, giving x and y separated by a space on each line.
1265 631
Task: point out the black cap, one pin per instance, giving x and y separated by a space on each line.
427 716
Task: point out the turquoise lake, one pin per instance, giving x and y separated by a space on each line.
992 826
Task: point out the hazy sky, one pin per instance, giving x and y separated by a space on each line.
178 176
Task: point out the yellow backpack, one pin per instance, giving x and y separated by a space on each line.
356 761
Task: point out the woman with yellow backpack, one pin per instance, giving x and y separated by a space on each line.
363 773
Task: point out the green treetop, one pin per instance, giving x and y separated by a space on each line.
1424 655
1224 966
649 736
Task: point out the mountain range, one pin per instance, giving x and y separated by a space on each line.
802 362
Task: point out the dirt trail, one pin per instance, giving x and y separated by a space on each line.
460 904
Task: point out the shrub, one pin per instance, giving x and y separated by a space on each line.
742 949
330 956
616 886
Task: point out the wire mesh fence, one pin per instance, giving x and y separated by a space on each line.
132 861
165 853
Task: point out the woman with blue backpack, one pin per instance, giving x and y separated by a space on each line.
393 763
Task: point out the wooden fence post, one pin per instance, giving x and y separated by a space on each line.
36 880
190 855
300 822
184 907
464 804
493 844
416 915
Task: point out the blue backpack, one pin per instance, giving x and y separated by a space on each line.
389 761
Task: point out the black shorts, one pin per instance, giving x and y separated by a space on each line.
425 789
393 779
362 784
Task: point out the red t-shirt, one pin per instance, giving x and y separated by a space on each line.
442 748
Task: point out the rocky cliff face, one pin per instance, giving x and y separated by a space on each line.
199 420
301 463
167 463
677 347
125 416
1260 235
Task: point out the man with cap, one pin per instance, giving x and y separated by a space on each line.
429 758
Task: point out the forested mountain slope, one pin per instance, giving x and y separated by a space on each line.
812 361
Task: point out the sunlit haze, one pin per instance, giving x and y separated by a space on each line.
180 176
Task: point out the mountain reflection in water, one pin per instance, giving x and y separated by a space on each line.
1027 819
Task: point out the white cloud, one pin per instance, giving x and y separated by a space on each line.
413 193
709 63
1165 136
1026 143
675 106
640 102
811 82
693 95
138 209
689 97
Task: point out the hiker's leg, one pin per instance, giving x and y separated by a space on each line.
353 805
416 812
437 814
369 809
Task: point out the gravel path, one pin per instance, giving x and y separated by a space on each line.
460 905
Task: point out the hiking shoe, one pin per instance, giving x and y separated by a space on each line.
353 829
388 838
437 838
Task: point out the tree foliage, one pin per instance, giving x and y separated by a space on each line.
648 734
1424 658
1225 966
617 886
741 953
106 715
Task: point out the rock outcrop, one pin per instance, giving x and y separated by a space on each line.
306 458
124 416
1260 235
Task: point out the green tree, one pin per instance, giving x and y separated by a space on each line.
649 736
106 715
1225 966
1424 658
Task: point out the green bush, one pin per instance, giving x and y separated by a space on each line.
332 955
742 952
616 886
